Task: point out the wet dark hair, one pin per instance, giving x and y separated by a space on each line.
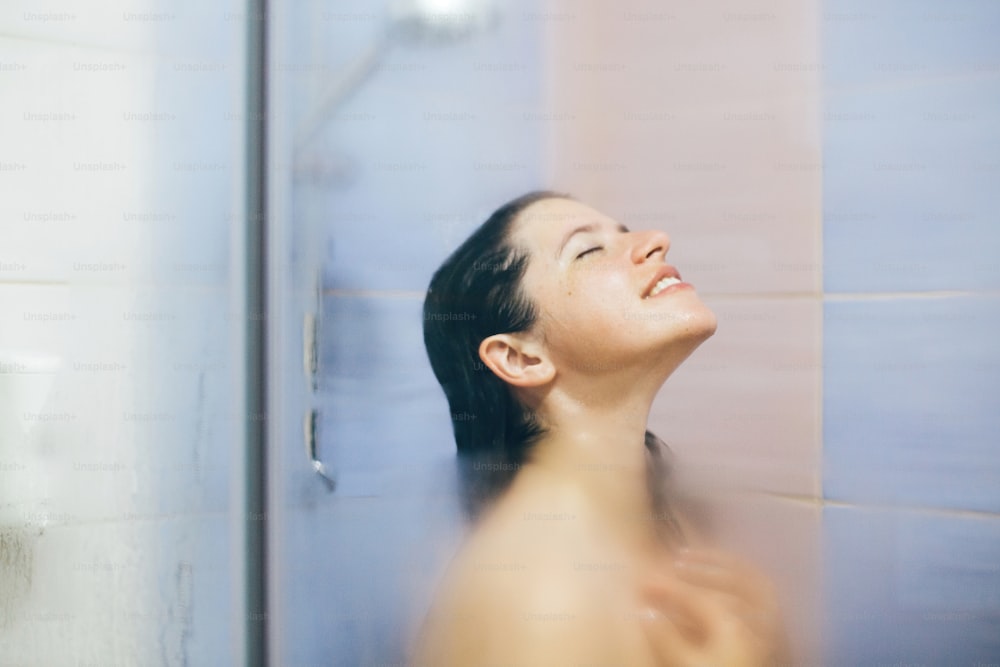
477 293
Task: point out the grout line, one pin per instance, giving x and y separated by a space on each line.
389 293
419 294
917 81
760 295
826 296
816 501
946 511
400 293
822 503
133 287
125 519
819 381
908 83
35 283
930 294
741 296
49 40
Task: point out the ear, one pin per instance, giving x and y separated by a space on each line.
516 360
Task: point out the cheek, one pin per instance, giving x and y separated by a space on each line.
598 278
590 310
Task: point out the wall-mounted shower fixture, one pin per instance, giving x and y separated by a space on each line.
311 323
310 428
409 22
441 21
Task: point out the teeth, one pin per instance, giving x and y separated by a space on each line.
662 285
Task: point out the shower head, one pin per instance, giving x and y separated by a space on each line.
440 21
417 22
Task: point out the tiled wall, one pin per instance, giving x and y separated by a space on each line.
911 473
120 174
715 140
704 121
416 157
839 429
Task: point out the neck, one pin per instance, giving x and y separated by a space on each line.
595 450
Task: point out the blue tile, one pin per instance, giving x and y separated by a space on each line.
867 43
393 189
909 187
445 179
910 390
381 408
430 144
911 588
359 576
379 246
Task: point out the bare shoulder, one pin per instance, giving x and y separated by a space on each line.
507 611
506 600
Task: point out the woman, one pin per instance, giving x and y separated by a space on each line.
551 330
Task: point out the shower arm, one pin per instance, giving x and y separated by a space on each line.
347 83
423 21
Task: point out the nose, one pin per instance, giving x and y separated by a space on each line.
649 244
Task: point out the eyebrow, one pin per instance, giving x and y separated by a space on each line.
591 227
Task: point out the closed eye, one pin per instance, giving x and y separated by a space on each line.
587 252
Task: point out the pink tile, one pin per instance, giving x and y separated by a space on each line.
783 539
704 121
707 52
744 410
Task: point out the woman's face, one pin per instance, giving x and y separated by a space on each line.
607 299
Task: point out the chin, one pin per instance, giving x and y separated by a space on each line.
698 324
708 322
696 327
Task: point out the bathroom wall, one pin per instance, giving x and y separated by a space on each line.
413 160
826 172
704 121
719 148
121 174
911 365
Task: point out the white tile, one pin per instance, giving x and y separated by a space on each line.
126 592
140 417
118 176
185 28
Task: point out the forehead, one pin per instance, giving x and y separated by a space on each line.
543 225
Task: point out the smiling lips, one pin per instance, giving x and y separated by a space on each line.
666 277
